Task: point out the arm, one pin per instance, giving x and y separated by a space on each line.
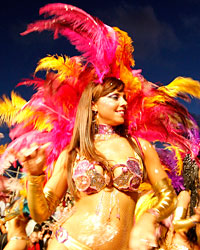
141 237
160 182
180 222
42 202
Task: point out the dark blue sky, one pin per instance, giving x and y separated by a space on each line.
166 37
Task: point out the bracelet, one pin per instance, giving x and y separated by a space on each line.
166 199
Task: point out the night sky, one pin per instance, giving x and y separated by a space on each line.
166 37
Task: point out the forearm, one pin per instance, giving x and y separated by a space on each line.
184 224
166 199
180 222
10 216
41 203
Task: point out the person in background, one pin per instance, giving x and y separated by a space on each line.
39 230
47 238
16 222
34 242
183 229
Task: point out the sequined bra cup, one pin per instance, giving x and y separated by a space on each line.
87 179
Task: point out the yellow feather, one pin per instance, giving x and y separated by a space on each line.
40 120
145 202
124 61
178 156
64 66
17 100
182 85
14 111
151 101
3 148
125 49
10 108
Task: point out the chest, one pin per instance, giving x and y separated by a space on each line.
115 151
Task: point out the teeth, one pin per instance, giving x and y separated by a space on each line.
121 112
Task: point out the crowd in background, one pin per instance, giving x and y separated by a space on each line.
38 235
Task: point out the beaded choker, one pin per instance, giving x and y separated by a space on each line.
104 132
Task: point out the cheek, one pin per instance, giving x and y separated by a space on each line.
105 103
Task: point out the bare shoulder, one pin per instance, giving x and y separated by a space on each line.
61 163
152 162
146 145
148 150
63 157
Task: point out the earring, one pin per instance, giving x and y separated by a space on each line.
94 116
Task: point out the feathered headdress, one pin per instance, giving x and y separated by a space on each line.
153 112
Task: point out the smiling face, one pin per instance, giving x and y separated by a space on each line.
111 108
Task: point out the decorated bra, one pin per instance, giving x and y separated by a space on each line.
87 179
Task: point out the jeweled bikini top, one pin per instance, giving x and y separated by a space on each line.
88 179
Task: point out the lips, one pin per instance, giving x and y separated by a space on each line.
121 112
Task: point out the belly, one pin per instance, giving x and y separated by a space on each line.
103 220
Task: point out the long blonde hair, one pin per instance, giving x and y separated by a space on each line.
84 128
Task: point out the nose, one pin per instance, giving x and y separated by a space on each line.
123 101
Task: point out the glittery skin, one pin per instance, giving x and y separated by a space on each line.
102 231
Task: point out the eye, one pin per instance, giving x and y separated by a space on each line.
114 96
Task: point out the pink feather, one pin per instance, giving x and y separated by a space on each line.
90 36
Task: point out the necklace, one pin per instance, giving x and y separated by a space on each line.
104 132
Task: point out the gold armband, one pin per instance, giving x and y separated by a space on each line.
166 199
41 203
9 216
179 222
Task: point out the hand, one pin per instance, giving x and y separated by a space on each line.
143 234
33 158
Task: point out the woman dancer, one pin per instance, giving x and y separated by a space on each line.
104 167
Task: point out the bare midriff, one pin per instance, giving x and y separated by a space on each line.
102 220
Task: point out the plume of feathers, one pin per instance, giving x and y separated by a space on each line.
154 114
109 50
50 113
95 40
172 161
